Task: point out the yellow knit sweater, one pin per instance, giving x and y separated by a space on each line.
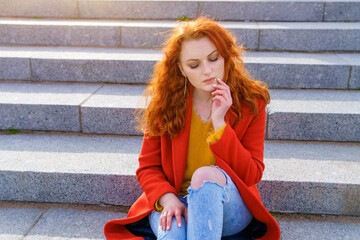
199 153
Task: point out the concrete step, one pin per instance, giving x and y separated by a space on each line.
314 115
29 221
285 36
69 64
108 109
294 227
240 10
305 177
43 107
41 222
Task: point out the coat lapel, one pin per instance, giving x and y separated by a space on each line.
180 146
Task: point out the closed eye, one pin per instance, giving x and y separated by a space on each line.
214 59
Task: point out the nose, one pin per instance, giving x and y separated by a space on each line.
207 69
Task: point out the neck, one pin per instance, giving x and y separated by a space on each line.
201 96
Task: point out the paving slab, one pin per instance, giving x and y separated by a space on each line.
263 10
93 65
60 221
246 33
312 151
299 70
72 224
314 115
42 107
15 223
137 9
39 8
111 110
310 36
355 78
101 170
297 226
145 36
13 68
354 81
59 32
342 11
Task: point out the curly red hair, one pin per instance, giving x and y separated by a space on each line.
166 110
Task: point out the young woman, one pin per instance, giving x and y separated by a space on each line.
202 152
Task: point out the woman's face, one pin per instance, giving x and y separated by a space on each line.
201 63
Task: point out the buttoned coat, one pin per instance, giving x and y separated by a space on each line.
162 162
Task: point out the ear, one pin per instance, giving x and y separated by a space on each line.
181 69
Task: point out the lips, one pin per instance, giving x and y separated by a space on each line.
209 80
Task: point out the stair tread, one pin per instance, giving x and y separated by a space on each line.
45 94
40 221
87 53
254 10
79 53
272 36
298 226
130 96
116 65
172 23
315 101
323 115
309 162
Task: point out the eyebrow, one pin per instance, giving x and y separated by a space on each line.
189 60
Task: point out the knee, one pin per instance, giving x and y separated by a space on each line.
175 232
207 174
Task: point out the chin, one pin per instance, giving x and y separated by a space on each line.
208 89
205 88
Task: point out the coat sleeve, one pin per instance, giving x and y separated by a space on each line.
245 155
150 173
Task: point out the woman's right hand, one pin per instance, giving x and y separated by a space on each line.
173 207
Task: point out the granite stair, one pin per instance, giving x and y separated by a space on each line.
239 10
34 221
260 36
289 70
301 176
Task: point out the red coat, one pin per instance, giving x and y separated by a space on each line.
162 163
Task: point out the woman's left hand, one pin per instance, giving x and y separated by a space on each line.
222 101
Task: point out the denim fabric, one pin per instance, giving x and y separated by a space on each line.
174 233
254 230
205 212
236 214
214 211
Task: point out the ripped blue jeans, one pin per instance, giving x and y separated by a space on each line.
214 211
